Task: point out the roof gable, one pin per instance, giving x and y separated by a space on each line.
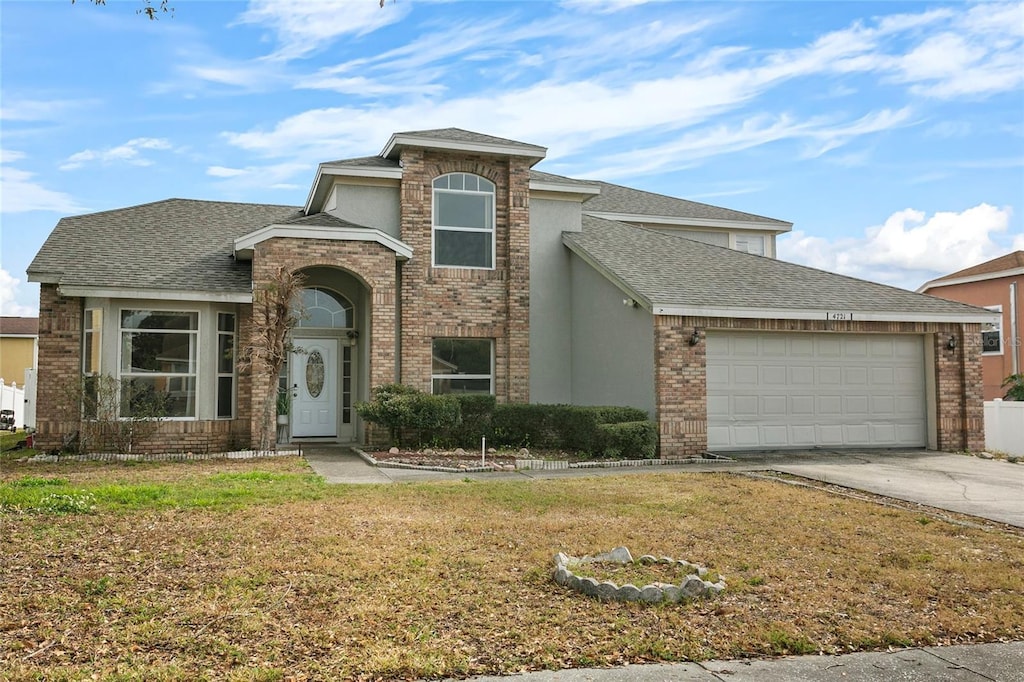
1004 266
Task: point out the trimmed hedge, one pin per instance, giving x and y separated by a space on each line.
450 420
635 440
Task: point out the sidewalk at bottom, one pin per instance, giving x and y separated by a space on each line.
962 663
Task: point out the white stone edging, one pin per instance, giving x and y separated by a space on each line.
692 587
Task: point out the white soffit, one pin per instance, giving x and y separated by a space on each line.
245 244
821 314
649 220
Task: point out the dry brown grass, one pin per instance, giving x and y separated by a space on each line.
431 580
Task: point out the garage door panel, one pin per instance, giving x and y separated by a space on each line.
778 390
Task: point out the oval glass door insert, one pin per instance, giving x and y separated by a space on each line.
315 374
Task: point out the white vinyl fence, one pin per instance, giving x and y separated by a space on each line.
13 398
1004 426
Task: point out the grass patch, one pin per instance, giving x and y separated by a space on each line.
257 570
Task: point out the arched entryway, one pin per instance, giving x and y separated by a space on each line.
323 374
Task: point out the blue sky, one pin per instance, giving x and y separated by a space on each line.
891 134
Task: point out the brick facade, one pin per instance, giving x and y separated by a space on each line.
680 376
451 302
60 367
370 262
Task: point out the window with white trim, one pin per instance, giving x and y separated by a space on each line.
158 363
462 366
225 365
92 342
463 221
992 333
750 244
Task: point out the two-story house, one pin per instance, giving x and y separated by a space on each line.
448 263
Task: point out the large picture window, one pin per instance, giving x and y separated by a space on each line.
463 366
463 221
992 333
158 363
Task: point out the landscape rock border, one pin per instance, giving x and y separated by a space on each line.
692 587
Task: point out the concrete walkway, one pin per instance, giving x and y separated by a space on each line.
988 489
976 662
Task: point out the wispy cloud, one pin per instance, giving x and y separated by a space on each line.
19 193
304 26
18 109
130 152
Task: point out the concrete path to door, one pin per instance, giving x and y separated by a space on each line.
989 489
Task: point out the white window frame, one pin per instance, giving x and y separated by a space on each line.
738 237
92 337
997 328
233 374
197 347
433 377
435 227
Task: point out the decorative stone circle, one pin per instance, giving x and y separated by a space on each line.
693 586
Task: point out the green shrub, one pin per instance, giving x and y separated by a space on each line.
1014 385
629 440
475 412
406 411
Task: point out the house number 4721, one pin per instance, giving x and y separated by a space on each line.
838 316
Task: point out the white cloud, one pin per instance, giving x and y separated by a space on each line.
129 152
304 26
15 109
910 247
19 194
8 293
223 172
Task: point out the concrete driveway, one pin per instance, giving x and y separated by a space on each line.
990 489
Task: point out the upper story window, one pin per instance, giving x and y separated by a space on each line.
325 309
463 221
753 243
992 333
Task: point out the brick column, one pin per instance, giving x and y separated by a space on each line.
959 389
60 367
680 386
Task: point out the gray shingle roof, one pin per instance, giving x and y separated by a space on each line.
321 220
460 135
364 161
172 244
669 270
619 199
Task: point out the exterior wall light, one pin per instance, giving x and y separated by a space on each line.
695 337
951 344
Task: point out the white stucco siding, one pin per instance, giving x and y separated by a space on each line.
612 344
550 300
369 205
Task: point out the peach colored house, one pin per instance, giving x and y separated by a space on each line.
996 285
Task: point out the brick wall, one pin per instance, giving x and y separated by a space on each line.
448 302
681 376
369 261
60 367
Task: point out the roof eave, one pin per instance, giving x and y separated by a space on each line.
399 140
828 315
325 173
776 227
155 294
582 192
245 245
954 281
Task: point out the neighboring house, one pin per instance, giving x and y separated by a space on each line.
997 285
448 263
18 337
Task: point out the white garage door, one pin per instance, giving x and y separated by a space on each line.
781 390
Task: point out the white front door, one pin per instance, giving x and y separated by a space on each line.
314 386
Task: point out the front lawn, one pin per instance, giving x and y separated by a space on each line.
257 570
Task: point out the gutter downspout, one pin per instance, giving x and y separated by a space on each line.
1014 336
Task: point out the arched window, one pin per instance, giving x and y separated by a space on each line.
463 221
324 309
